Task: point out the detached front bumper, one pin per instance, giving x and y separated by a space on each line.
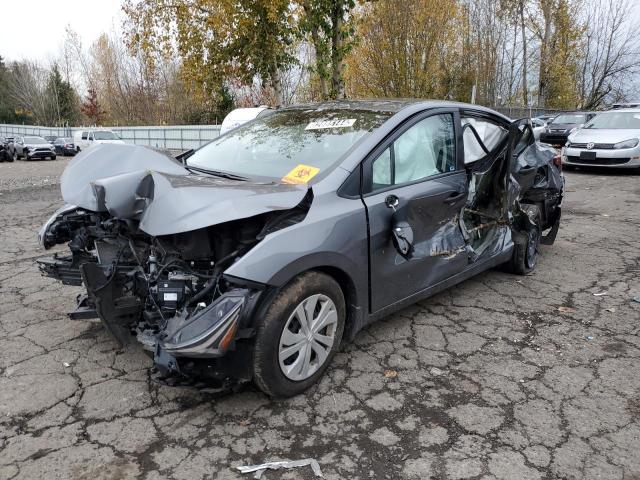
628 158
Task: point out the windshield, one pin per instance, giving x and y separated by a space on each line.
34 140
616 120
291 145
570 118
104 135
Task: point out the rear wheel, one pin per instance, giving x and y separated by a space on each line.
13 156
299 335
527 244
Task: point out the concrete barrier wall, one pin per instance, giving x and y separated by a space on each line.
174 137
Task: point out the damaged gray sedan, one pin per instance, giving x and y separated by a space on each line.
257 255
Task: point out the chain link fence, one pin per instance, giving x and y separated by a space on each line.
525 112
173 137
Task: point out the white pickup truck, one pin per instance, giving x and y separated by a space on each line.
83 139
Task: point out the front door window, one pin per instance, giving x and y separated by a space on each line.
424 150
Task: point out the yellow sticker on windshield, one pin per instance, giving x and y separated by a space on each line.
300 174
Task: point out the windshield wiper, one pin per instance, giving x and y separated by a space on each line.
216 173
184 155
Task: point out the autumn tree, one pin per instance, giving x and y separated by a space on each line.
563 65
92 109
407 52
329 26
611 53
216 39
26 88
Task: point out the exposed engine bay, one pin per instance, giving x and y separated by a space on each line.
168 288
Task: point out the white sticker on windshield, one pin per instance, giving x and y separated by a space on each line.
322 124
637 117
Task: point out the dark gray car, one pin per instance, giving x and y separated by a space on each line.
268 247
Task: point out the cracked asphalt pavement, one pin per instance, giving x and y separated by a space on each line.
501 377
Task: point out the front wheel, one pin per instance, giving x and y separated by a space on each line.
299 335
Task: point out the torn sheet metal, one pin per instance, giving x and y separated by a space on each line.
258 470
137 183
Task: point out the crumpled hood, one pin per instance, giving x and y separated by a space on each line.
133 182
603 135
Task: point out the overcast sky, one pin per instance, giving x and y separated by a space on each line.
35 29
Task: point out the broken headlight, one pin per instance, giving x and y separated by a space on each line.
47 236
210 331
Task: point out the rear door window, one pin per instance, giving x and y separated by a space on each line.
84 135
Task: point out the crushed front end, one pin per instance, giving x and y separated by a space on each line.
151 248
167 292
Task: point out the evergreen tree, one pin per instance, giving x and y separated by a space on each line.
63 101
7 109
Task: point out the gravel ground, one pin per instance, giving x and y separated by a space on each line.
22 174
501 377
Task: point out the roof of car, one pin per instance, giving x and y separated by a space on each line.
626 110
577 112
392 105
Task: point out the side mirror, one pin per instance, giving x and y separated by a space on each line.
401 231
403 239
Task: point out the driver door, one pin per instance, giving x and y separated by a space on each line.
413 190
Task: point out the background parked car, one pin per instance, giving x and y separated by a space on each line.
617 106
240 116
611 139
83 139
559 129
31 148
64 146
9 144
538 125
5 156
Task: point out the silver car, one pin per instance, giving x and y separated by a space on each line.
611 139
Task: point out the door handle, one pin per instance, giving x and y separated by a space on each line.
455 196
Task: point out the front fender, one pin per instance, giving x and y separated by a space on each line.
333 236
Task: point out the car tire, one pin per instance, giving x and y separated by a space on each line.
272 343
12 157
53 157
526 245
